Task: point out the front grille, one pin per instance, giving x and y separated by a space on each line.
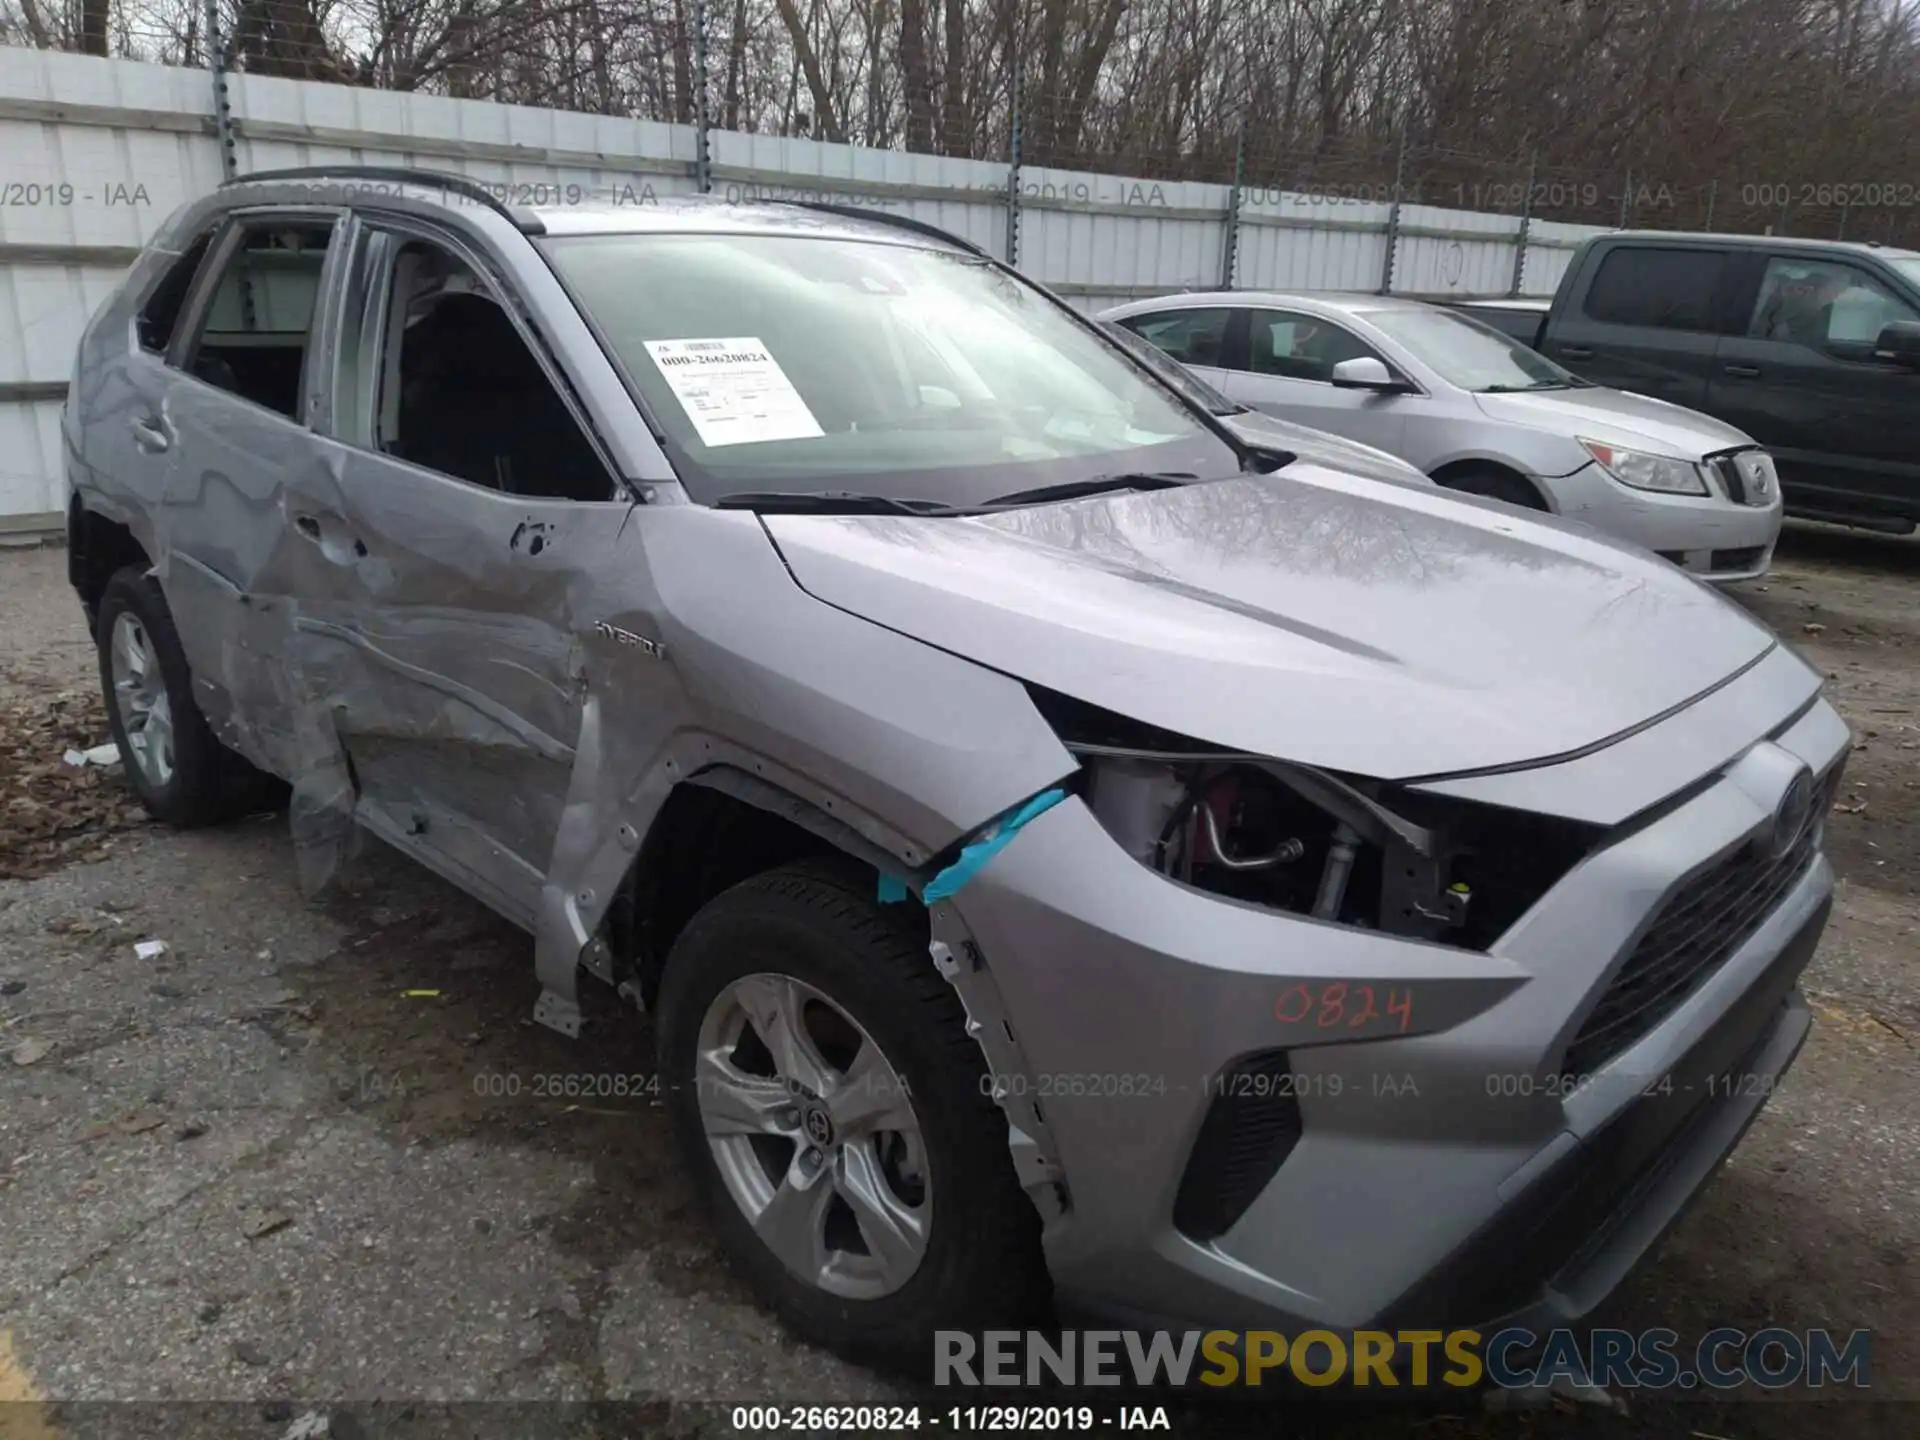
1704 922
1566 1217
1745 558
1250 1128
1727 467
1730 477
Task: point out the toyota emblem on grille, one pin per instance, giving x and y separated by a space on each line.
1791 816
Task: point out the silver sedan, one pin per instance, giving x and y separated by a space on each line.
1483 414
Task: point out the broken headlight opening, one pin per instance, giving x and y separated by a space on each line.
1338 848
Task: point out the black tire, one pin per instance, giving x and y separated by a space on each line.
209 783
819 923
1496 484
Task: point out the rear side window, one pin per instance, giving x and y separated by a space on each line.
161 313
1193 337
253 339
1665 289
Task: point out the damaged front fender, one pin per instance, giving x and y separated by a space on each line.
903 750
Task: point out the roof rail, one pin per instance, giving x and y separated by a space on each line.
465 185
882 217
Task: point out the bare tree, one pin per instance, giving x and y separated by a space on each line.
1753 98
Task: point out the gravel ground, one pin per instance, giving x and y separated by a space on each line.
278 1164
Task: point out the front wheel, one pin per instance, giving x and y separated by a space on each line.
835 1115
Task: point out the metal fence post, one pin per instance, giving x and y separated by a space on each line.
1626 202
1393 215
1526 225
702 105
1713 190
222 103
1013 170
1840 231
1230 246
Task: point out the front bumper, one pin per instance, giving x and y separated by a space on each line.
1440 1174
1708 536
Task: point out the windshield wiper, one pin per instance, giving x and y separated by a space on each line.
832 502
854 502
1525 389
1098 485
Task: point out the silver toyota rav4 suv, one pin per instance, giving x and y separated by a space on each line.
1071 860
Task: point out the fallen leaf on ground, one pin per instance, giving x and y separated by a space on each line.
56 814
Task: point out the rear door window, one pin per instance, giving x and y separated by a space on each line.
254 336
161 313
1665 289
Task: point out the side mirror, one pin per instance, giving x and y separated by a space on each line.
1899 342
1363 372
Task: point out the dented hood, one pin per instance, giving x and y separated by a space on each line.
1308 615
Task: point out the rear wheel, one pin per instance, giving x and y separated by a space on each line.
1496 484
834 1112
181 773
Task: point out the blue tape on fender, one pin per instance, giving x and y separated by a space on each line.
892 889
973 859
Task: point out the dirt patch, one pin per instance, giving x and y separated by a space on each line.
423 1015
53 814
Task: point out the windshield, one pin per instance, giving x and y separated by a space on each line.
1908 268
1467 353
801 364
1173 372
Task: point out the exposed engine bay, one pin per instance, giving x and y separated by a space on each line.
1345 850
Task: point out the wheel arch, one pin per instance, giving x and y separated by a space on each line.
717 827
725 814
1454 470
97 548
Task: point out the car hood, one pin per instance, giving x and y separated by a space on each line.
1307 615
1255 427
1637 422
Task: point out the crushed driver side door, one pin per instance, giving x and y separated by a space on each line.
460 518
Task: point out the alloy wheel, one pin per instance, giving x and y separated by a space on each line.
815 1136
140 695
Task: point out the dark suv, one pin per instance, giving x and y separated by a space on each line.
1810 346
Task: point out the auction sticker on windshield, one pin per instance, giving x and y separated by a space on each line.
733 391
